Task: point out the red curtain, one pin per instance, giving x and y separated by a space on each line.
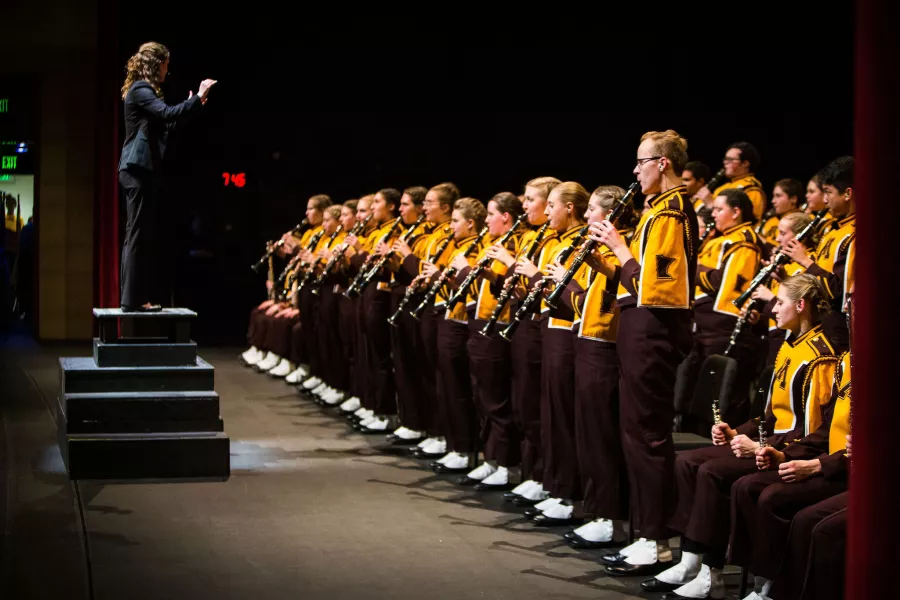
106 204
874 518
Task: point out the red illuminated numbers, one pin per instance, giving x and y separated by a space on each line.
235 179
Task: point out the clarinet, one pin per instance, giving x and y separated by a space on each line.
354 289
415 286
338 255
311 267
509 285
479 268
778 260
762 222
537 291
373 271
717 413
708 229
445 275
271 247
716 180
293 276
554 296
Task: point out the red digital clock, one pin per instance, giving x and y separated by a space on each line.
235 179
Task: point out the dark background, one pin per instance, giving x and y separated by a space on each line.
345 107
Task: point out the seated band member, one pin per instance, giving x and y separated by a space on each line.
566 208
741 160
467 221
833 261
655 295
725 266
815 202
489 357
788 228
800 385
785 200
314 208
435 250
695 176
406 342
806 472
526 346
601 463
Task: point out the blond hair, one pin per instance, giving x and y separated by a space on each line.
804 286
447 193
797 222
670 145
471 208
334 210
544 184
574 192
608 196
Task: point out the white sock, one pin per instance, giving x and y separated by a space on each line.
524 486
643 553
535 492
559 511
498 477
598 530
457 461
482 471
447 457
545 504
437 446
707 584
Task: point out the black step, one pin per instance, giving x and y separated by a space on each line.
169 324
82 375
131 456
159 406
142 354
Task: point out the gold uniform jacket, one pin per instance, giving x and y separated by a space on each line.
751 186
664 248
596 310
563 316
834 261
482 296
828 443
726 266
459 311
801 386
416 242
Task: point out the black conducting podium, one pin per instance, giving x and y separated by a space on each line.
144 406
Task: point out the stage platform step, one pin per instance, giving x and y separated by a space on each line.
144 354
82 375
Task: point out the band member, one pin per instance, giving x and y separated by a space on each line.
435 249
806 472
785 200
815 202
695 176
148 120
453 334
800 386
566 208
380 394
406 341
740 162
833 263
655 295
601 463
489 357
726 264
254 356
526 347
788 228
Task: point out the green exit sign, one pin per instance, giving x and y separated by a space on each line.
4 105
6 177
9 163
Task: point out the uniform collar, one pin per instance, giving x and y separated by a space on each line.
847 219
731 230
465 240
570 233
665 196
806 336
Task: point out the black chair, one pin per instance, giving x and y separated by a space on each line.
715 381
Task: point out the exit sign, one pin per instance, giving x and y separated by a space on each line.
8 163
4 105
7 177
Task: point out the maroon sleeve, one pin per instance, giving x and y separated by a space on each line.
631 272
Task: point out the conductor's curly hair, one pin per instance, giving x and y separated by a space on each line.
144 65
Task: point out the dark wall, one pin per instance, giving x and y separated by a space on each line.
301 118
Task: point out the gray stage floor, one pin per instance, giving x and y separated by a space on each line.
311 511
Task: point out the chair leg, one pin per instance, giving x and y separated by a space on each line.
743 592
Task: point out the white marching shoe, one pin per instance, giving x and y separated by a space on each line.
334 398
320 389
364 413
707 584
455 460
483 470
312 383
684 572
434 446
525 485
268 362
350 405
377 424
254 359
498 477
249 353
559 511
283 369
547 503
299 374
598 530
536 492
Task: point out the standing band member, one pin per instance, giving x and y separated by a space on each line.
656 294
148 120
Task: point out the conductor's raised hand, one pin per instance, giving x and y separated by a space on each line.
204 89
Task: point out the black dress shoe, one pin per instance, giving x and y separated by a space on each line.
543 520
579 543
396 440
570 535
467 481
533 512
624 569
419 453
492 487
510 496
655 585
616 558
445 470
523 501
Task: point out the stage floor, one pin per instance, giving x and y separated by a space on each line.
311 511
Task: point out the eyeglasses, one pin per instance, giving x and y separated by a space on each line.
729 159
642 161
